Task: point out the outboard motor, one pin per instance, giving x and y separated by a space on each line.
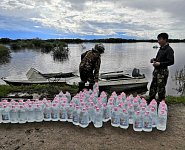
136 73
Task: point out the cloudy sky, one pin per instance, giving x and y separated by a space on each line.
89 19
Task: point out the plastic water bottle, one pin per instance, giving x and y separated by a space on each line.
13 115
124 119
98 122
62 113
162 120
154 117
54 112
131 113
30 113
22 114
115 120
162 105
107 112
47 113
147 122
137 121
135 104
1 112
70 113
5 114
84 118
76 115
39 116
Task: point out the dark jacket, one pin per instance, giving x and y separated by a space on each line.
165 56
90 62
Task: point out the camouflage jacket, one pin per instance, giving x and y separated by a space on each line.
90 61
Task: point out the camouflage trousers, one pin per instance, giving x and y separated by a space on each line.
85 76
159 81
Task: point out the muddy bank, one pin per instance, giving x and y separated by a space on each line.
59 135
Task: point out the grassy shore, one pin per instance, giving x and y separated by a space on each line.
51 90
4 51
43 90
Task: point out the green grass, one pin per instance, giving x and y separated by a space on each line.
4 51
49 90
175 99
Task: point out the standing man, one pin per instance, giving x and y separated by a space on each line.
164 58
90 66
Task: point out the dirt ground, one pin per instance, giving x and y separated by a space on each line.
59 135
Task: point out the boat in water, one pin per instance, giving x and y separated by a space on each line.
111 81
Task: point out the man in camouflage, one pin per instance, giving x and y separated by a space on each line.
164 58
90 66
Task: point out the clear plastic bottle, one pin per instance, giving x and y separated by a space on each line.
131 113
30 113
13 114
154 117
162 120
124 119
98 122
147 122
137 121
84 118
5 114
47 112
76 115
107 112
54 112
115 120
39 116
62 113
70 113
22 114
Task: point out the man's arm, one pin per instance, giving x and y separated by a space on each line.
170 59
97 68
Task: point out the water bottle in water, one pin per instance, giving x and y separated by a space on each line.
162 120
124 119
76 115
5 114
63 113
39 116
98 122
70 113
84 118
137 121
115 120
13 114
54 112
147 122
22 114
47 112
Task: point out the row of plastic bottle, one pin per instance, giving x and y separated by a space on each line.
86 107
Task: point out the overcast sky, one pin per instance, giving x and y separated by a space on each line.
140 19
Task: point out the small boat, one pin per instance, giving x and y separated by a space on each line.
110 81
33 76
155 46
117 81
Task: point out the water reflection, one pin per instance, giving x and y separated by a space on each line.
125 56
180 80
5 60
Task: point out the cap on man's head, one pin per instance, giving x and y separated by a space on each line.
99 47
